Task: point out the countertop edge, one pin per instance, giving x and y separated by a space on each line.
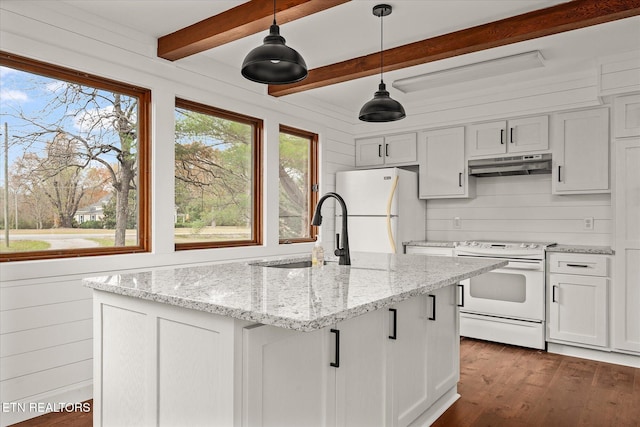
283 322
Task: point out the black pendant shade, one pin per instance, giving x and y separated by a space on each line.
381 108
274 62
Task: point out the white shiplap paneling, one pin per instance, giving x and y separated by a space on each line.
521 208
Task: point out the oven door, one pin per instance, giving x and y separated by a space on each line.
515 291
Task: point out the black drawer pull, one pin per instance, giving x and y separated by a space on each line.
578 265
336 364
433 312
394 336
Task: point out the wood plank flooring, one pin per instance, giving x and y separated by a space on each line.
507 386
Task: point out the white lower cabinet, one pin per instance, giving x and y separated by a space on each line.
578 299
392 365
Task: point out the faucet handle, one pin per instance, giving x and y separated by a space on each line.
337 240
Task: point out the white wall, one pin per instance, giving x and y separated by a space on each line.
521 208
45 313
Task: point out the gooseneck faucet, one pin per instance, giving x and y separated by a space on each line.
342 253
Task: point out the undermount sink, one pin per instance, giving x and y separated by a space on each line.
293 264
297 264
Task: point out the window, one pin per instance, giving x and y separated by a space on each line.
298 184
75 144
217 178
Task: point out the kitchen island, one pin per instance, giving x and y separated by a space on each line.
251 344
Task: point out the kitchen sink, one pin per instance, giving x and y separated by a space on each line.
293 264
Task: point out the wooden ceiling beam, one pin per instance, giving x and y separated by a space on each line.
539 23
241 21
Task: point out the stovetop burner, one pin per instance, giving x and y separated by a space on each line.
516 250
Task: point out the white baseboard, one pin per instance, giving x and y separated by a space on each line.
600 356
429 416
34 406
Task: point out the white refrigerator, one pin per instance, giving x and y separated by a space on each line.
383 209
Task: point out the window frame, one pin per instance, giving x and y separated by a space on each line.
314 173
143 155
257 168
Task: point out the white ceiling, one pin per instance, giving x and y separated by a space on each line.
351 30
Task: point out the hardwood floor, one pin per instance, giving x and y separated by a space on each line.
506 386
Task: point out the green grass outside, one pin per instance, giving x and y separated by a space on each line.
24 246
109 241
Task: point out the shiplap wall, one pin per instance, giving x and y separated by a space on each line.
521 208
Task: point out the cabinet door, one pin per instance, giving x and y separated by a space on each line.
287 378
409 361
626 286
581 154
444 342
360 378
528 134
370 152
442 164
487 139
400 149
626 116
578 309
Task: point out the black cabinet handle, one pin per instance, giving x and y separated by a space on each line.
336 364
395 324
511 135
386 150
559 179
461 295
501 136
460 179
379 150
433 313
578 265
553 293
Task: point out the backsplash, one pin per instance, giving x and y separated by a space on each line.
522 208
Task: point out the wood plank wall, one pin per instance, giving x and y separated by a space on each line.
46 343
521 208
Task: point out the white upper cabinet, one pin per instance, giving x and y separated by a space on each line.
442 163
390 150
514 136
627 116
581 152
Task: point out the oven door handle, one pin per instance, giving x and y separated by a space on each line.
519 265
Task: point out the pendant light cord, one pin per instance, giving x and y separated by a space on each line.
381 47
274 12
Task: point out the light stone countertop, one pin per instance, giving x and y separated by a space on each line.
304 299
430 243
581 249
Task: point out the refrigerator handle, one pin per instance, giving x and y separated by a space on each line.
392 241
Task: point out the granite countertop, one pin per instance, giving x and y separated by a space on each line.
430 243
582 249
304 299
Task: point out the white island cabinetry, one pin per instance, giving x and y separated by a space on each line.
238 344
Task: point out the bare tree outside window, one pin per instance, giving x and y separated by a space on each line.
217 177
75 144
298 184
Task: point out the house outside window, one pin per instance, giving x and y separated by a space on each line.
218 178
72 141
298 171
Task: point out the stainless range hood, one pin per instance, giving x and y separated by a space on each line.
527 164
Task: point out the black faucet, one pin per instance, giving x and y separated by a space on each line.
343 253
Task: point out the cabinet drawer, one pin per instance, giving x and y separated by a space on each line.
585 265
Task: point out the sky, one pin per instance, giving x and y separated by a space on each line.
33 95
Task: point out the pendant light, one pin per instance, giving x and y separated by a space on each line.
274 62
381 108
